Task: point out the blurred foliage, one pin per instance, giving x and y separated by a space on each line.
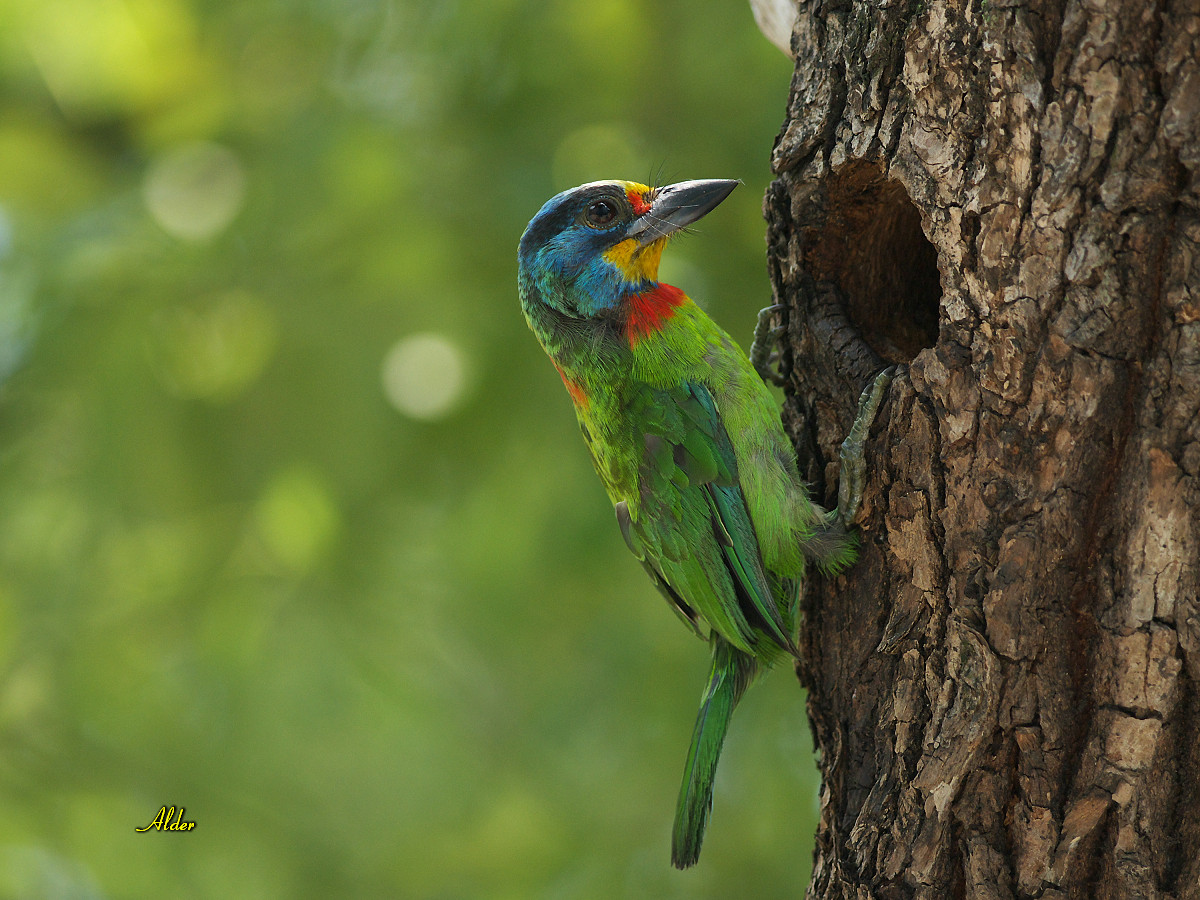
297 531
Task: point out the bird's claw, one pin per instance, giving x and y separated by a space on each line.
851 456
764 350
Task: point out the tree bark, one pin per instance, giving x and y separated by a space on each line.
1003 199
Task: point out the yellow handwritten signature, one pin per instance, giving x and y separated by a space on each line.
163 821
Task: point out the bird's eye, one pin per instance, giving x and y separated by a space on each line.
600 214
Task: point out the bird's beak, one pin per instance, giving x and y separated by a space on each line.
677 206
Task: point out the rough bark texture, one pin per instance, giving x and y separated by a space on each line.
1004 199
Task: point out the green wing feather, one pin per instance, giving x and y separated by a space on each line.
686 614
690 525
735 535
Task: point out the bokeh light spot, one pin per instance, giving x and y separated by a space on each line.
216 351
297 517
596 35
104 57
425 376
597 153
364 170
195 190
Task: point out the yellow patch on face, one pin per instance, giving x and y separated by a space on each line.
635 262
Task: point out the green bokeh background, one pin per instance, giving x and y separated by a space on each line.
296 527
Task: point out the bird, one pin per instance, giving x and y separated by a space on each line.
687 439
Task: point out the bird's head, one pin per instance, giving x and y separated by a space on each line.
590 247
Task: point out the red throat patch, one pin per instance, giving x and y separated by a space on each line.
649 310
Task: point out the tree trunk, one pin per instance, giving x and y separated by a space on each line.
1004 200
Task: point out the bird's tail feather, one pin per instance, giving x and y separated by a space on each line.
732 672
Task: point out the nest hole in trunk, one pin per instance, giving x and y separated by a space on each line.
871 246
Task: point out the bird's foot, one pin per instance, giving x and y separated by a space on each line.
764 351
853 461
